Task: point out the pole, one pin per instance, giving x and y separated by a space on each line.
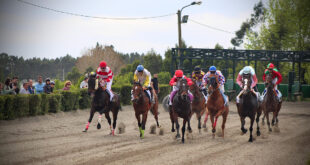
179 31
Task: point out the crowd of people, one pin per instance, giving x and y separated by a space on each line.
11 87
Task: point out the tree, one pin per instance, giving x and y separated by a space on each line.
74 75
152 61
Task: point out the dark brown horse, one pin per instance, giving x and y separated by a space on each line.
198 103
142 105
271 103
248 106
101 103
181 106
215 103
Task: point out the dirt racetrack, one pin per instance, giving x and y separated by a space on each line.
58 139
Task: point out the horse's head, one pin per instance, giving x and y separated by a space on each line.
194 87
213 81
92 84
268 82
183 88
137 91
246 82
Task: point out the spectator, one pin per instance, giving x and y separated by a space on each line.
1 89
39 86
84 83
67 86
14 82
24 90
30 87
7 89
155 84
47 87
52 86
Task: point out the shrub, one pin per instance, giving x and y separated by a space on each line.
9 108
44 104
165 89
54 101
21 105
34 104
85 99
70 100
2 106
164 77
125 94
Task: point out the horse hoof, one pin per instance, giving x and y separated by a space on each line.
183 141
258 133
244 131
250 140
213 131
172 130
85 130
270 130
177 136
98 126
190 130
204 126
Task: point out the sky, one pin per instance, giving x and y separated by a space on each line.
29 31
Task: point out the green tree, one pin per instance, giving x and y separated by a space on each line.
74 75
152 61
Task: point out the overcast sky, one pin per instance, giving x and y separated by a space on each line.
30 31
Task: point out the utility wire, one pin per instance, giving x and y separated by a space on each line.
210 27
96 17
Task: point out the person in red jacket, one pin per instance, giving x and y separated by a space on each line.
173 82
105 75
276 79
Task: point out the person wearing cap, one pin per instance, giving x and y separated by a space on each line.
39 85
105 76
84 83
247 71
143 76
221 79
173 82
47 87
197 75
276 79
67 85
52 86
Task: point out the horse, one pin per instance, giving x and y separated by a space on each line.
198 103
271 103
142 105
215 104
101 103
181 107
248 106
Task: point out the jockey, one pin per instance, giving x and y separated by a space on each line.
276 79
105 75
173 82
247 70
213 71
198 74
143 76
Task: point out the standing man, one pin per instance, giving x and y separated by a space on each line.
155 84
39 86
15 83
30 87
24 90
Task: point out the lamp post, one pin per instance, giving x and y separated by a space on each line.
179 23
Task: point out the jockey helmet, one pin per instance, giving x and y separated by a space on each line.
212 68
103 64
47 79
247 70
179 73
140 68
197 69
270 66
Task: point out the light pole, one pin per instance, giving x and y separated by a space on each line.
179 23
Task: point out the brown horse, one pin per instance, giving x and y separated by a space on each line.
271 103
198 103
248 106
215 103
142 105
101 103
181 107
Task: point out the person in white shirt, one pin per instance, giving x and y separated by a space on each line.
84 83
24 90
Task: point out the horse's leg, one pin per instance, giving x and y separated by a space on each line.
189 128
183 130
171 119
144 118
212 123
115 112
242 119
273 117
177 126
92 112
99 120
251 128
199 122
107 116
139 123
206 119
224 122
268 123
263 119
257 122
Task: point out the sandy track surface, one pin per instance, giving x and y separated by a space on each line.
58 139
